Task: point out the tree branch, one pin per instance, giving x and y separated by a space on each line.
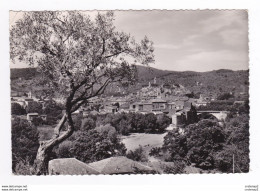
116 54
104 46
58 128
98 92
49 50
60 20
68 36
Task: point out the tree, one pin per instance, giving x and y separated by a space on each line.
198 145
90 146
33 107
51 108
150 124
17 109
77 58
36 121
163 122
225 96
124 127
53 111
109 130
137 155
87 124
24 142
236 145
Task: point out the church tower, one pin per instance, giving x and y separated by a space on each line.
154 80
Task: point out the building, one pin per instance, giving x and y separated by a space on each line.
143 106
110 109
159 104
154 105
185 116
31 116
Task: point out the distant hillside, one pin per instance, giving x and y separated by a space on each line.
148 73
25 73
215 82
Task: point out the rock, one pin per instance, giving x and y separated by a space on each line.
70 166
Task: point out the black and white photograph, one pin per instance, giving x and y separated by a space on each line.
129 92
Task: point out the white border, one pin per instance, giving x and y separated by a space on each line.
144 182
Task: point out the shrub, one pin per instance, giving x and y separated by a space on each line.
53 111
77 121
17 109
177 168
137 155
126 123
33 107
163 122
198 144
25 142
64 149
24 167
37 121
225 96
156 151
237 144
87 124
89 146
124 127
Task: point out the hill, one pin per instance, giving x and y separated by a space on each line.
25 73
214 82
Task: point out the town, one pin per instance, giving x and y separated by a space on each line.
87 97
171 100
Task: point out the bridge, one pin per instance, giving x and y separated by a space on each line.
220 115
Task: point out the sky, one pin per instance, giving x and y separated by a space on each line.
201 40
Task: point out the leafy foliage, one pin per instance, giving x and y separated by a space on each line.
197 145
25 142
126 123
53 110
217 106
137 155
210 146
36 121
177 168
89 146
34 107
88 124
17 109
225 96
24 167
237 146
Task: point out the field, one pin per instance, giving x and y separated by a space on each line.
147 141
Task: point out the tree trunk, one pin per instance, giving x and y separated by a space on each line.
42 159
43 154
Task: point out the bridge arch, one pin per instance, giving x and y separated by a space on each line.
220 115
